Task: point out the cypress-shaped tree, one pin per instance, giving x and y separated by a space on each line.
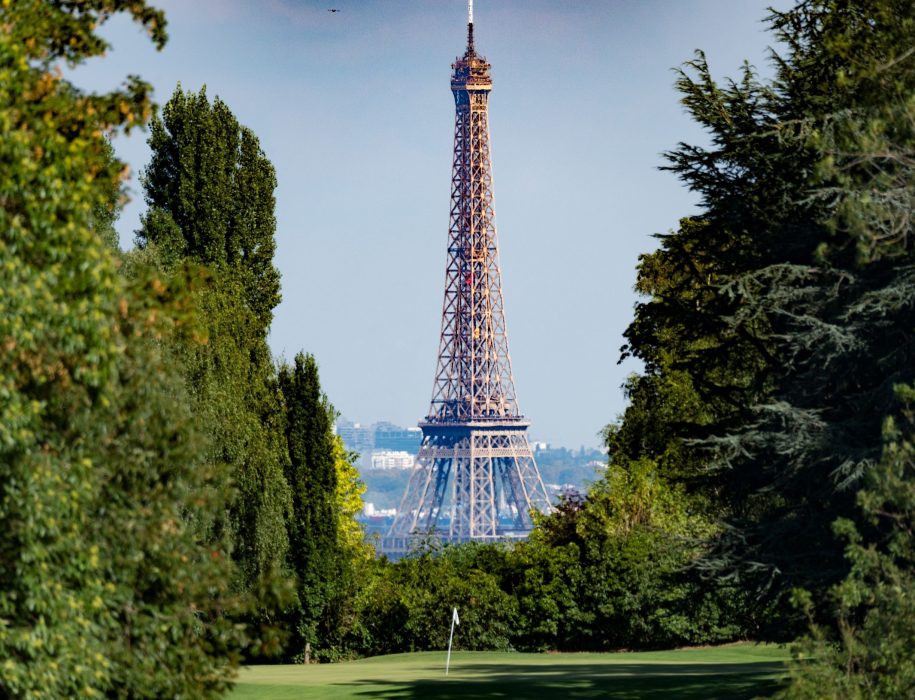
316 554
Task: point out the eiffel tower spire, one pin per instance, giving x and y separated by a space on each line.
475 477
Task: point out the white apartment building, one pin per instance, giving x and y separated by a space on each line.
392 459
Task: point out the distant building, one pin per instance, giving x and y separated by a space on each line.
370 511
357 437
378 436
393 437
392 459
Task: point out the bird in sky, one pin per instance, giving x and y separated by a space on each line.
334 10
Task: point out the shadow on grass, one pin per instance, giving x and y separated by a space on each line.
617 682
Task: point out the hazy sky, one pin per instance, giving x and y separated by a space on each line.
354 109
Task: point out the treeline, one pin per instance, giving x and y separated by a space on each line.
173 500
777 336
295 490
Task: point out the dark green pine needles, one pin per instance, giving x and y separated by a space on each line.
777 322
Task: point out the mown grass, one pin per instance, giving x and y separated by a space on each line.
733 671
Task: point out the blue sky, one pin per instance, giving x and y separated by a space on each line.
354 109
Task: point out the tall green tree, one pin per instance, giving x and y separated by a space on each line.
316 550
171 631
764 318
209 188
101 580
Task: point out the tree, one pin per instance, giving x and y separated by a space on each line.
763 316
348 500
606 572
170 630
99 461
316 551
210 189
870 655
406 605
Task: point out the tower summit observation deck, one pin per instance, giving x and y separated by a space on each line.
475 477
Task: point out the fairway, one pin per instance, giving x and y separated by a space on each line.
734 671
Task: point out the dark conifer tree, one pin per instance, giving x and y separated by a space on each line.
778 318
874 606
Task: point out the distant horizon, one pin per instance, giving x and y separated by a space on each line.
415 426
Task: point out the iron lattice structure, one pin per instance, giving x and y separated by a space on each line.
475 445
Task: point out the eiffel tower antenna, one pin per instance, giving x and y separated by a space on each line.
470 50
475 477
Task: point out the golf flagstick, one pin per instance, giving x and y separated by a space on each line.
455 620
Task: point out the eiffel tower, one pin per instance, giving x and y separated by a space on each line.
475 477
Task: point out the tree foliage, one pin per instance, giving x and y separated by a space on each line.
869 655
600 574
210 192
209 188
776 320
348 502
314 546
406 605
326 549
101 578
625 549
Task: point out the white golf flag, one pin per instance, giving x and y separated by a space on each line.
455 620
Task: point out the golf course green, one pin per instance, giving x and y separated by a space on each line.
732 671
